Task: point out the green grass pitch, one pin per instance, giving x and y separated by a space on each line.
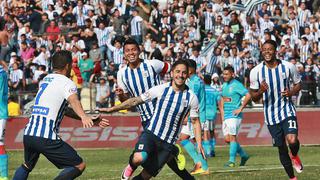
108 164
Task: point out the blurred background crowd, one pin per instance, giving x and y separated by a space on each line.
211 32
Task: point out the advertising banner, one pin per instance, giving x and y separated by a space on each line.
124 131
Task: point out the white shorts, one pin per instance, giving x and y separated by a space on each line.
208 125
2 130
231 126
188 130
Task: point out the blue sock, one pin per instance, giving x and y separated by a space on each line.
3 165
233 151
213 143
69 173
204 164
241 152
21 173
206 147
191 150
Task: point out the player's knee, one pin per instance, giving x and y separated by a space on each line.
81 166
227 139
292 139
140 157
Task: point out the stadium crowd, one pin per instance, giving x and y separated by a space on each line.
211 32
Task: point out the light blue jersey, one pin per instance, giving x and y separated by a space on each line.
197 86
3 94
232 92
212 98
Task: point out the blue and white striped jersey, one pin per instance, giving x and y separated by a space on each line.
117 53
303 17
294 24
208 20
102 35
276 107
171 108
136 26
138 81
50 103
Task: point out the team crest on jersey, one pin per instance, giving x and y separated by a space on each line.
73 90
145 74
140 147
185 103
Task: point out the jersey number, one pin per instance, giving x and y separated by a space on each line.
42 88
292 124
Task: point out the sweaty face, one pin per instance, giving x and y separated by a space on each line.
268 52
227 75
179 75
131 53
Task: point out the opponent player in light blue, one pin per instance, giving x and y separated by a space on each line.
197 86
3 120
231 113
212 100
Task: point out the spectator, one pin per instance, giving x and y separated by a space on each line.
53 31
13 106
76 77
103 93
86 66
15 79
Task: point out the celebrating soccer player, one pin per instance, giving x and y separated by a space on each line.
41 135
174 100
271 80
135 79
231 114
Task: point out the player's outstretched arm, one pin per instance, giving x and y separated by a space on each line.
77 107
125 105
97 119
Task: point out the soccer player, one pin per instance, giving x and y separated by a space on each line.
135 79
174 100
212 100
231 114
3 120
197 86
41 133
271 80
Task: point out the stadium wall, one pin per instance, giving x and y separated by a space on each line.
124 131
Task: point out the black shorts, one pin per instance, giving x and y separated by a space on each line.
58 152
279 131
158 151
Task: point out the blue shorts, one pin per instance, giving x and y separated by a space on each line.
58 152
158 151
279 131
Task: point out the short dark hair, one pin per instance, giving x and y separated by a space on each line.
192 63
131 41
229 68
61 59
272 42
207 79
180 61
